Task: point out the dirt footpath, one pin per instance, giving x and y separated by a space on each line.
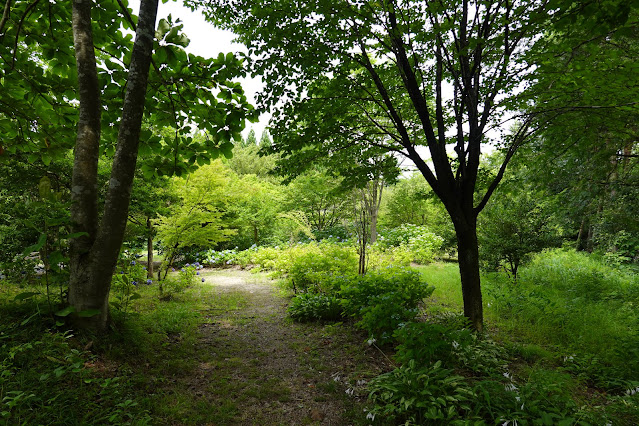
269 370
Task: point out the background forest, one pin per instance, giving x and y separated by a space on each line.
378 204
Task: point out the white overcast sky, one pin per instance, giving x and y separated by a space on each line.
208 41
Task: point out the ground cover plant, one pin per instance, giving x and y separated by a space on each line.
302 276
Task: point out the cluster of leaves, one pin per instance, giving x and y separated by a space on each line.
404 245
49 376
384 300
517 225
305 265
219 258
40 80
309 268
451 342
314 307
414 395
196 221
125 281
427 386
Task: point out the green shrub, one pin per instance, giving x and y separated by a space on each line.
402 234
384 299
219 258
176 283
544 399
43 378
313 307
623 410
306 266
264 257
405 244
311 265
417 395
380 257
427 343
424 246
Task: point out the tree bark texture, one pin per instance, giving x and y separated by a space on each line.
94 258
84 189
468 257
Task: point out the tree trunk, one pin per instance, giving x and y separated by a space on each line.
376 199
149 248
580 235
93 257
468 255
83 294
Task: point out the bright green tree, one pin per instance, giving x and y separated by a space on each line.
254 204
251 139
265 140
247 161
321 197
197 219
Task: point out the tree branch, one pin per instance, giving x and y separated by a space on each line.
5 17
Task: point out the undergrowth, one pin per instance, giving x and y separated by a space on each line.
52 375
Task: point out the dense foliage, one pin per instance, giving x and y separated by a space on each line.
356 240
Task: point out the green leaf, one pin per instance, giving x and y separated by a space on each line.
163 28
28 319
37 246
135 296
227 149
89 313
46 158
26 295
65 312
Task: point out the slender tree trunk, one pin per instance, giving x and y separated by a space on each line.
83 294
376 201
362 229
468 255
93 258
149 248
580 235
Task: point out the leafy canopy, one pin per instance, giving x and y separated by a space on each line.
39 83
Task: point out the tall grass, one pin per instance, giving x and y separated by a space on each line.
447 282
577 303
573 304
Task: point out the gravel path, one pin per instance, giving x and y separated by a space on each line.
277 371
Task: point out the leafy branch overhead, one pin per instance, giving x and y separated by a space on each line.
185 92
